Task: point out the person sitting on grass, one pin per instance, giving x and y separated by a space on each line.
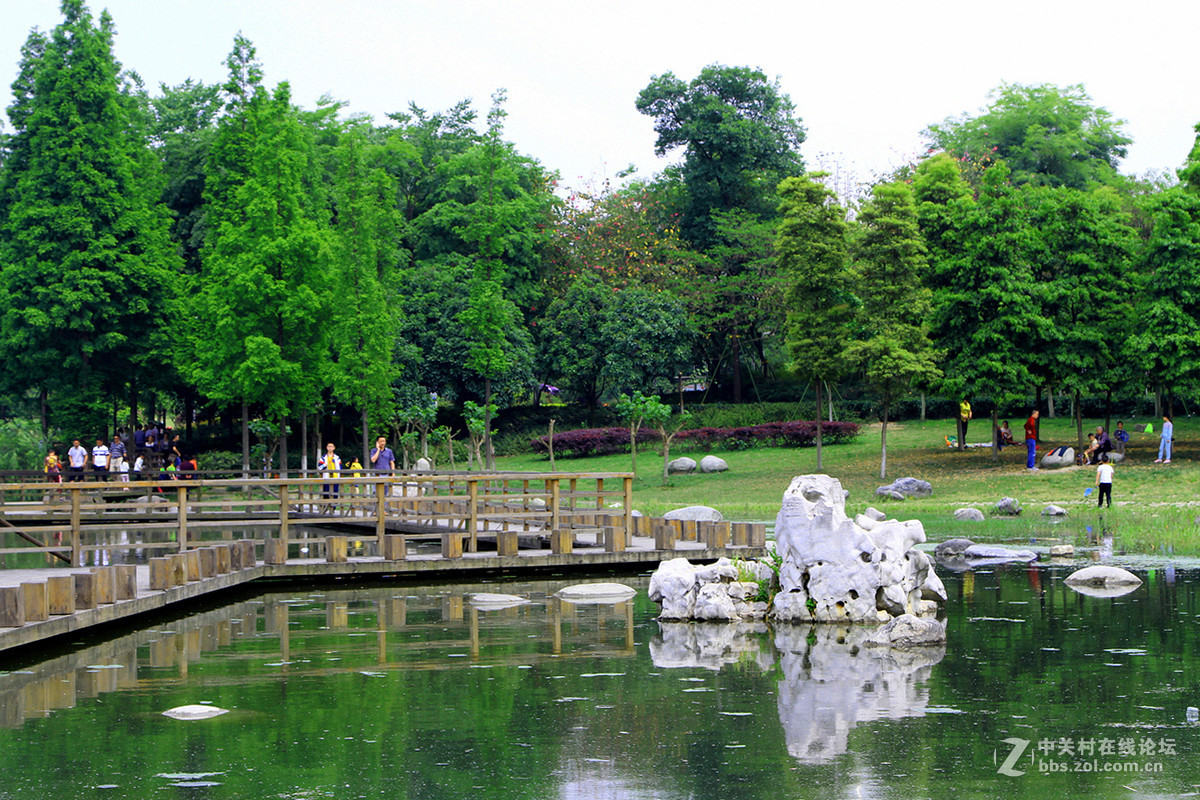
1004 436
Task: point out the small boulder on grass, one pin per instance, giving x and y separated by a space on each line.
681 466
968 514
1007 506
713 464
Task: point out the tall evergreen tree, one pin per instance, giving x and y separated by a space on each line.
892 346
89 267
812 246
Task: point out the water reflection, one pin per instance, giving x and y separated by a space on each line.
829 684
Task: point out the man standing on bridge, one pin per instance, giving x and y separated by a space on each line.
383 460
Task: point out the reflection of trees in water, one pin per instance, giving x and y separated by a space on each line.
830 683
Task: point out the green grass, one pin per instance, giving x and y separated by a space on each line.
1156 506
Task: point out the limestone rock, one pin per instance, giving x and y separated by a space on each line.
889 495
907 630
968 515
596 593
1102 575
714 603
424 465
1008 506
1054 511
195 711
834 570
710 645
908 487
874 513
713 464
1058 550
681 466
1059 457
495 602
953 547
700 513
1116 457
997 554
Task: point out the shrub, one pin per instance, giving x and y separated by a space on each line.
605 441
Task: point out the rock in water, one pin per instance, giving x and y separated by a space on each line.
908 631
1102 575
834 570
953 547
595 593
192 712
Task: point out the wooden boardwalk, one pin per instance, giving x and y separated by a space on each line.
214 536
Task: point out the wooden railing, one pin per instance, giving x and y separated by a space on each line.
70 521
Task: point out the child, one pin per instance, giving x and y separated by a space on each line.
1104 481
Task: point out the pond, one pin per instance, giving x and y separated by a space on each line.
405 691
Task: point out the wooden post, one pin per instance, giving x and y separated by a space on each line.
627 485
191 565
380 510
105 585
181 507
283 514
36 602
126 581
76 549
335 549
452 545
561 542
60 594
758 534
207 558
614 539
665 535
717 535
395 547
243 554
740 533
473 512
224 558
689 530
274 551
161 574
506 543
85 590
555 511
179 570
12 607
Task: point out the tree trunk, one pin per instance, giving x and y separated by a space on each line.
489 452
1158 412
366 445
44 413
133 403
283 451
1077 409
666 455
1108 411
737 367
820 413
922 406
550 445
245 440
883 444
303 442
189 411
995 434
1050 402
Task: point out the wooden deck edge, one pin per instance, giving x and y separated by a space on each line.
361 568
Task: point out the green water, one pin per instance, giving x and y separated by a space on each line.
407 691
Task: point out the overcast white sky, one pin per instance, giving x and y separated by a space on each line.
866 77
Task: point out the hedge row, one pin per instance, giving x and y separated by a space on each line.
605 441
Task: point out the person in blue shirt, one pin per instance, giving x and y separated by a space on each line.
1164 444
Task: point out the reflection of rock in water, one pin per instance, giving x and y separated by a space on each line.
710 645
831 683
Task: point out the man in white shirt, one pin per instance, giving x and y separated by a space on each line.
76 460
100 460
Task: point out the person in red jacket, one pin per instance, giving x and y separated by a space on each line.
1031 440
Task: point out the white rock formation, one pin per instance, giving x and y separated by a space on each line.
595 593
1059 457
836 570
713 464
968 515
707 592
1102 575
682 465
494 602
195 711
710 646
699 513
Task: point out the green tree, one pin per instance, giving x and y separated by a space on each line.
987 305
261 301
892 346
89 270
634 409
1048 136
812 246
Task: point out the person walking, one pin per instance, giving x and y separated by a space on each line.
1031 441
1104 481
1164 442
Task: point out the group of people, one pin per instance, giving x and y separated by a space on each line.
128 454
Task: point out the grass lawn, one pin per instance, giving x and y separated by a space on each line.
1155 506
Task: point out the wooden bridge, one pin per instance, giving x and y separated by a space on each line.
127 548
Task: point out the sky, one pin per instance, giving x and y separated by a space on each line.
866 76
